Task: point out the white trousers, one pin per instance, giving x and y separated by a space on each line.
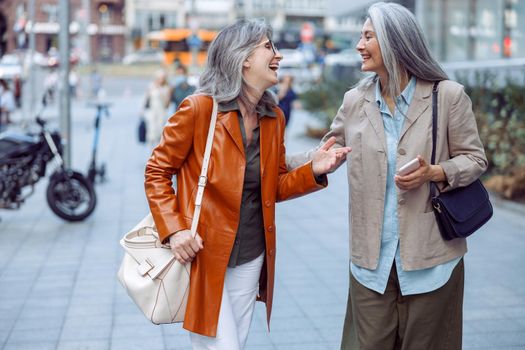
238 301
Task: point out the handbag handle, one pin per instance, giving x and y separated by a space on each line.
203 178
433 186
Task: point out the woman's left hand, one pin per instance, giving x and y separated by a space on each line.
327 158
425 173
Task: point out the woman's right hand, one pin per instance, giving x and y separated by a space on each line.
184 246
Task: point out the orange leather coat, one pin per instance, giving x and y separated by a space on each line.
181 152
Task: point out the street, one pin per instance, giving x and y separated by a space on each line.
58 279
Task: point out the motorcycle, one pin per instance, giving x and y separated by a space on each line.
23 162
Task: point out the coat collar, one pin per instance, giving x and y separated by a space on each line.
234 106
229 118
420 103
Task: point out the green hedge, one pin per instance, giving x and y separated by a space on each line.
324 98
500 113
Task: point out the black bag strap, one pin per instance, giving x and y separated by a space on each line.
433 187
434 120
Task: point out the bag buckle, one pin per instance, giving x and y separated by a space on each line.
145 266
437 207
202 181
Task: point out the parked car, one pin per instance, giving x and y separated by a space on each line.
347 57
292 58
10 67
295 63
147 55
346 63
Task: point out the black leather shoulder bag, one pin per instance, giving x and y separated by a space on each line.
461 211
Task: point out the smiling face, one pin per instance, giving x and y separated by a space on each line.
369 49
260 68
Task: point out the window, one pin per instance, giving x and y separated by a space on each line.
104 11
516 24
456 18
487 30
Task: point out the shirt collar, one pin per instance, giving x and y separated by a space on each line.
234 106
406 94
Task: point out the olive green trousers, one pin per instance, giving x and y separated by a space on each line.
391 321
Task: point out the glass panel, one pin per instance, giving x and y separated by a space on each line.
488 30
516 24
457 21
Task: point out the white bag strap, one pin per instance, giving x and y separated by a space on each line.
203 178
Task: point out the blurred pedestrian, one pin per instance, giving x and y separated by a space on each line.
181 87
233 255
50 84
17 90
406 281
156 104
73 83
7 103
286 95
95 80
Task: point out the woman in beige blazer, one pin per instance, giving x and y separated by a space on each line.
406 282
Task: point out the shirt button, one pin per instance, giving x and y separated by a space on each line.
401 201
271 252
267 203
270 228
402 151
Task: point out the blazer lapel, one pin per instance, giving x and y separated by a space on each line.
230 121
420 103
374 116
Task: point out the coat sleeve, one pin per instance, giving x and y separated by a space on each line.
165 161
336 130
299 181
467 156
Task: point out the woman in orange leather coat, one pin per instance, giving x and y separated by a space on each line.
233 254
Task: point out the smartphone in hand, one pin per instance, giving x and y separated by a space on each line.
409 167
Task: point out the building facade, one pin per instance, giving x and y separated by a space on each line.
457 30
97 23
293 21
346 27
474 30
145 16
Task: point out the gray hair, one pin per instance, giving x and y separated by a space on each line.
222 77
403 47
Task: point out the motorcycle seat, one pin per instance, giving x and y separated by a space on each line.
13 145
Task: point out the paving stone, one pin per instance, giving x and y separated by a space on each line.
30 346
84 345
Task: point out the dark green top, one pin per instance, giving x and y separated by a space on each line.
249 240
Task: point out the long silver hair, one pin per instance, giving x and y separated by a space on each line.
403 47
222 77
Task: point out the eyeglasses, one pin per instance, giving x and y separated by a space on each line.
272 46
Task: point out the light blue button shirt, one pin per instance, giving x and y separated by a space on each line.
411 282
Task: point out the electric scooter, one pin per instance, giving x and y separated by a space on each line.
95 171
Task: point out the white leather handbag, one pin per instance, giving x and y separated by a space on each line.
152 277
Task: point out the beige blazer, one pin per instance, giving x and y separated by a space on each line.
459 151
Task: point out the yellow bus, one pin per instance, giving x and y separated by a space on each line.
177 42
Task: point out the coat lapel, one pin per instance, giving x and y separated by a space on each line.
230 121
421 101
374 116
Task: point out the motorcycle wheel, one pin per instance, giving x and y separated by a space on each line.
71 196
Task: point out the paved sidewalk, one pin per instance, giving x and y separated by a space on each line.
58 280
